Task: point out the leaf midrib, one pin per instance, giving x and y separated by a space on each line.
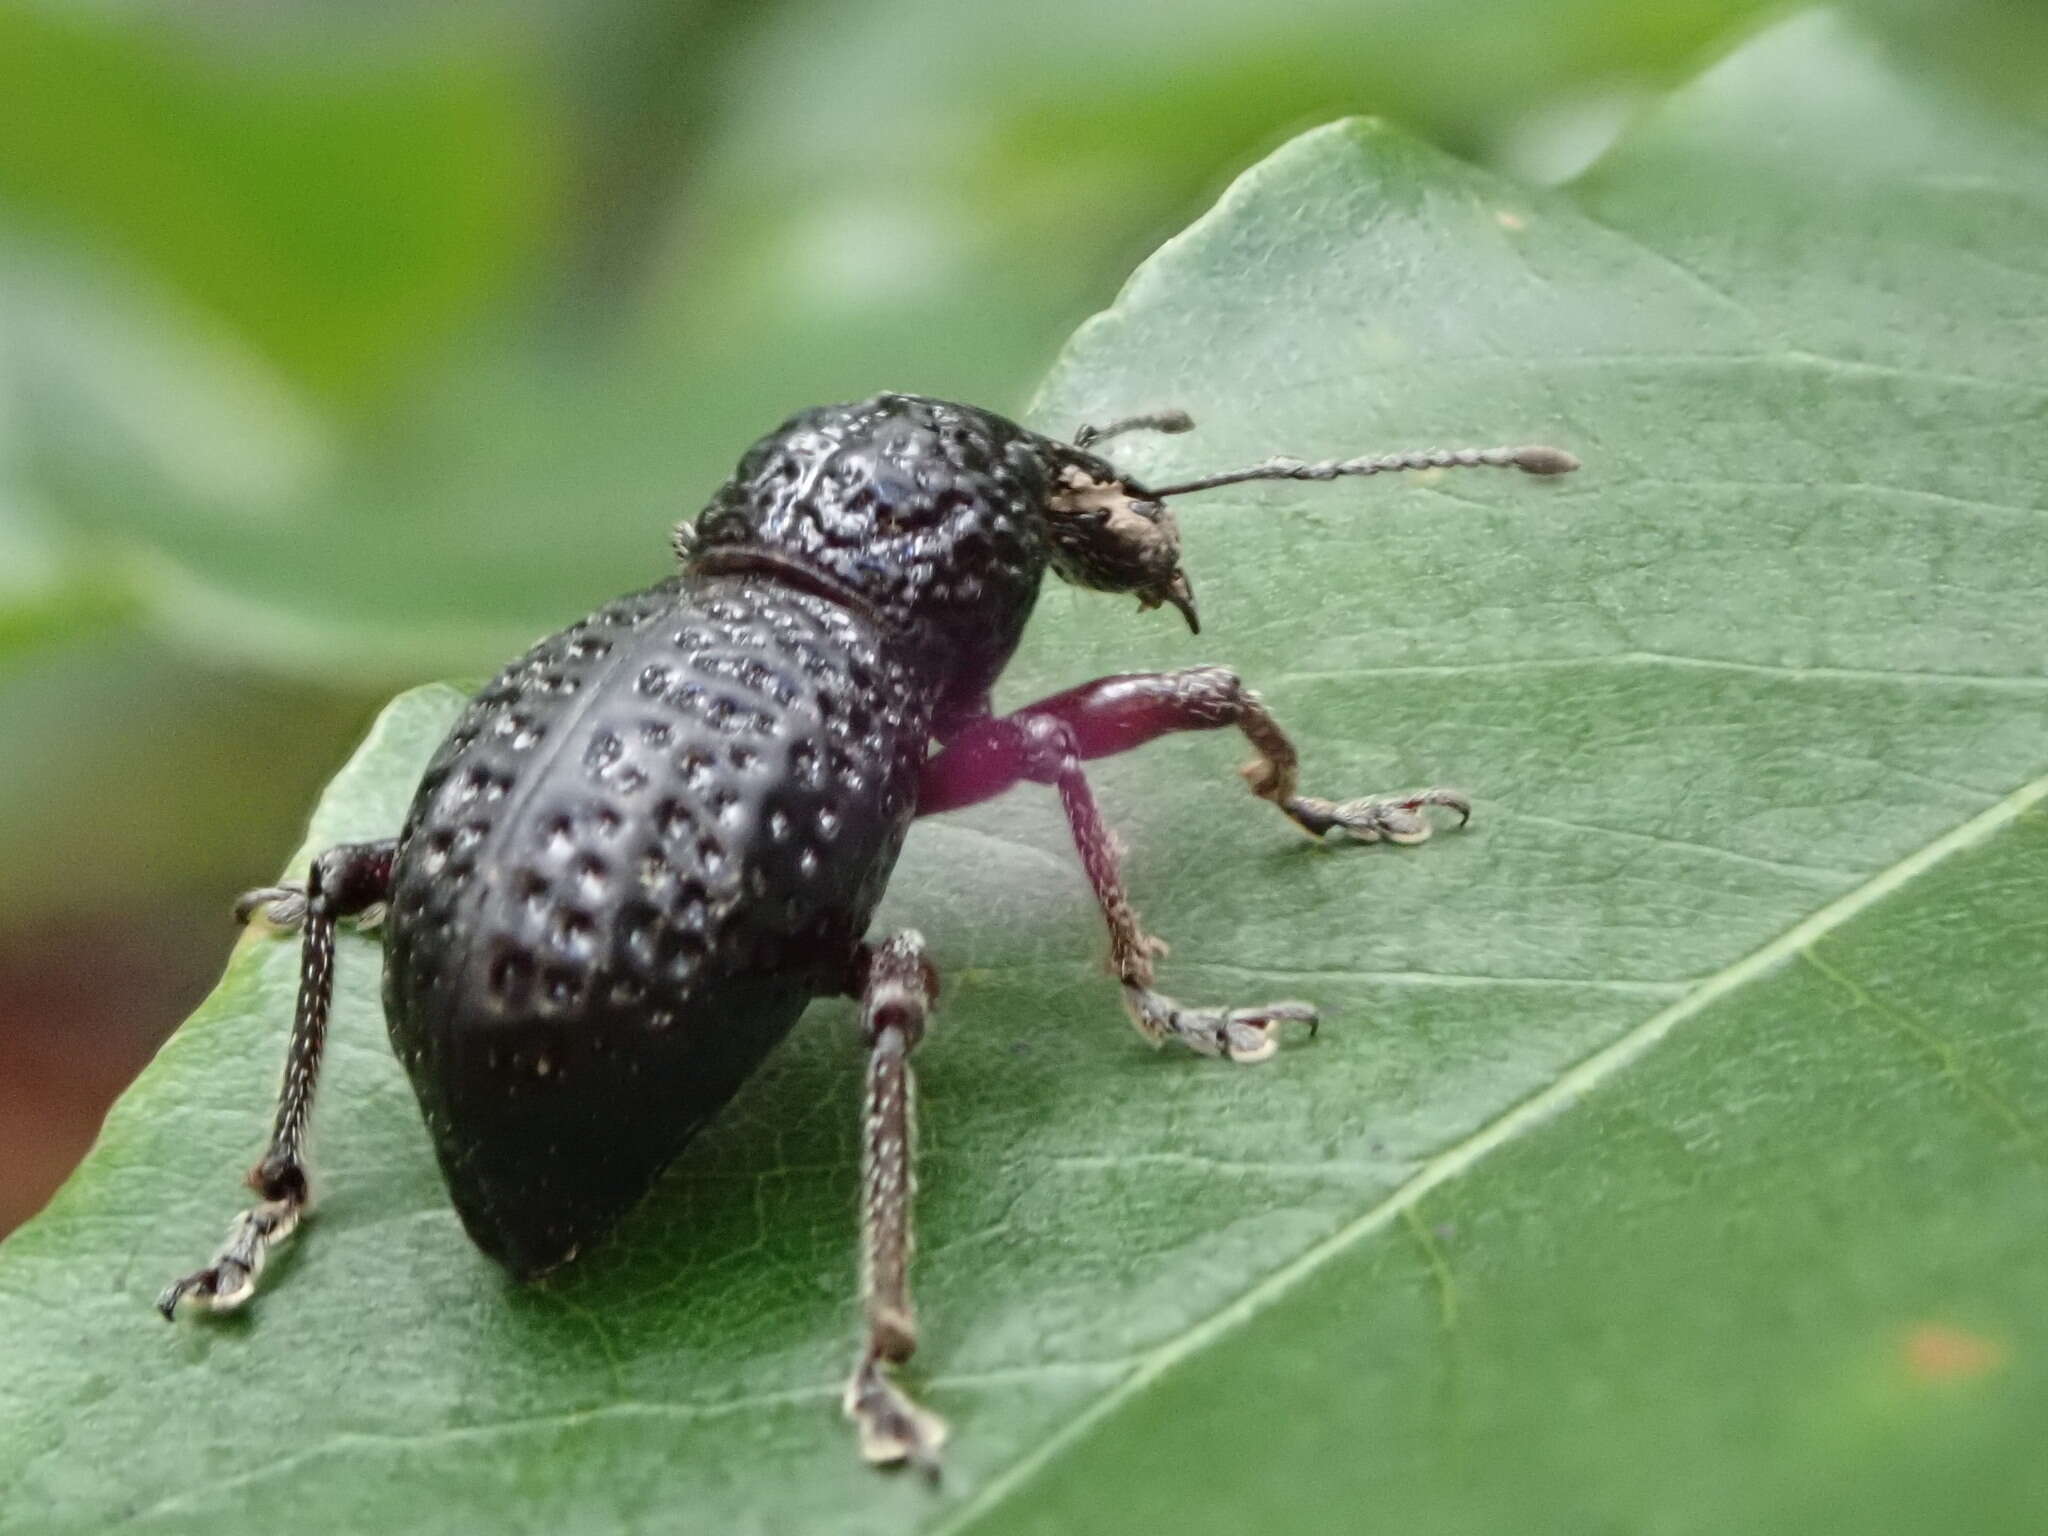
1570 1086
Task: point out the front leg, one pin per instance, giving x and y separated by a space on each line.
993 754
1115 714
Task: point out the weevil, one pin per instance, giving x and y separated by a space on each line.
659 834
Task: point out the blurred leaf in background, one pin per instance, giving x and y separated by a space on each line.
502 278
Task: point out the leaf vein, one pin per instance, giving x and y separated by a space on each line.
1797 673
1942 1049
1775 866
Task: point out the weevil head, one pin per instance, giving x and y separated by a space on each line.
942 518
1109 534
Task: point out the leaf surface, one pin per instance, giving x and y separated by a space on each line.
1672 1155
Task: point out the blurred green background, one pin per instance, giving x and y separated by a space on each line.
347 346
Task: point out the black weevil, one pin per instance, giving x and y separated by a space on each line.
659 834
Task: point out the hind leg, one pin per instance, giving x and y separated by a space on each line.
897 988
345 881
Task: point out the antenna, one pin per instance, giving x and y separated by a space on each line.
1533 459
1150 421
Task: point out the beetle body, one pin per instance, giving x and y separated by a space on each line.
644 849
660 833
654 838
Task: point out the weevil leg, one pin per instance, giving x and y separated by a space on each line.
1115 714
898 986
1042 747
345 881
283 906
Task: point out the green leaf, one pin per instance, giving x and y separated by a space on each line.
341 209
1671 1158
45 594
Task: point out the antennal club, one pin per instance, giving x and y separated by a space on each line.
1534 459
1150 421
